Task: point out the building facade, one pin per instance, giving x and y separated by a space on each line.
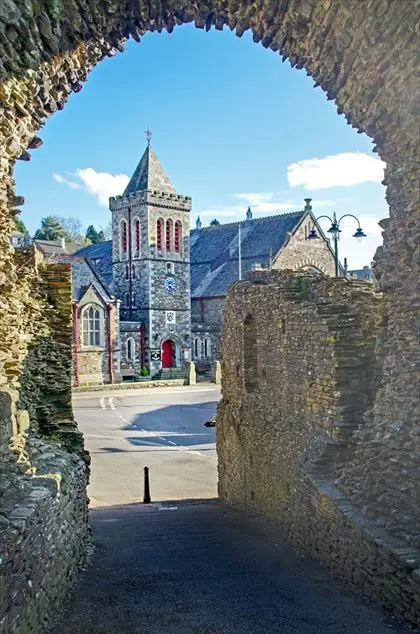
170 283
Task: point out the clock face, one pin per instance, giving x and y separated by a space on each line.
170 285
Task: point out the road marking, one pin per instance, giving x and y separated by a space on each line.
111 402
167 508
171 442
102 402
160 437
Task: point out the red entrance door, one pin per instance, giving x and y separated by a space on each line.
167 347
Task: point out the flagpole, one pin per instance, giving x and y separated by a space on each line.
239 252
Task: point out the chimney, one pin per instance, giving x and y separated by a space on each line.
308 206
63 243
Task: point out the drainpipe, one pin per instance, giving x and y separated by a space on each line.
76 344
130 273
142 330
110 358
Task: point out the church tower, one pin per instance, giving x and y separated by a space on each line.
151 268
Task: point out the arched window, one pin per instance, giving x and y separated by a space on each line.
137 236
91 325
123 237
133 300
207 347
178 235
126 271
159 234
133 272
306 231
197 347
170 269
127 300
131 349
168 235
250 354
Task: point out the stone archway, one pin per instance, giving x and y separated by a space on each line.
363 57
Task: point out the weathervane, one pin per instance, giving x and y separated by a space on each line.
148 134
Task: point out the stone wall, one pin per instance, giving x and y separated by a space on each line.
297 380
43 468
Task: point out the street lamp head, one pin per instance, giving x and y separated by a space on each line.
334 230
359 235
313 235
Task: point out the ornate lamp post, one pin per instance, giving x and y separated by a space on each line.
335 231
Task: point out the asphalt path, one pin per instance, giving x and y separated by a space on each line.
179 566
159 428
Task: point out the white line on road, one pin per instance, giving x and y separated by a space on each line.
111 402
102 402
171 442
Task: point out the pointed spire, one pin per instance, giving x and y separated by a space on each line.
198 223
249 214
149 174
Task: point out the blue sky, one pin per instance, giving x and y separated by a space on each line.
231 125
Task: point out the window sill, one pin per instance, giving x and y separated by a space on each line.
85 348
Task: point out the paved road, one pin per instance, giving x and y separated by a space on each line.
161 428
189 567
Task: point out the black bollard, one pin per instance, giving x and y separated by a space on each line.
146 497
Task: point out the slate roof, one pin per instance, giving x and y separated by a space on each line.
100 256
53 247
214 250
149 174
84 275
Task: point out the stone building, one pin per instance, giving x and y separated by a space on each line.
171 283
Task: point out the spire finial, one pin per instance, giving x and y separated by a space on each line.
249 214
198 223
148 134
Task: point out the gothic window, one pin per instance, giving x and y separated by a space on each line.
126 271
170 269
178 236
197 348
207 347
250 354
159 234
133 272
168 235
127 300
123 237
133 300
137 236
91 325
130 349
306 232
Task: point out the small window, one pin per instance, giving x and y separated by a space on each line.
207 347
170 268
91 326
178 236
159 234
127 300
197 347
133 272
133 300
168 239
130 349
126 271
137 236
123 237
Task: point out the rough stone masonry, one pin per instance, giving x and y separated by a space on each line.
363 55
299 372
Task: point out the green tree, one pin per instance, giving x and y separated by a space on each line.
101 236
215 222
92 235
20 226
51 229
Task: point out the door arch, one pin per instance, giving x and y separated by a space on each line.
168 350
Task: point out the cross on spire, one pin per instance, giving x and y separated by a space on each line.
148 134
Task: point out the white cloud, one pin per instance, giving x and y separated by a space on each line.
261 203
338 170
100 184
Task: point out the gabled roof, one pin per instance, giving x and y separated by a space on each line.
55 247
149 174
214 250
84 275
100 257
